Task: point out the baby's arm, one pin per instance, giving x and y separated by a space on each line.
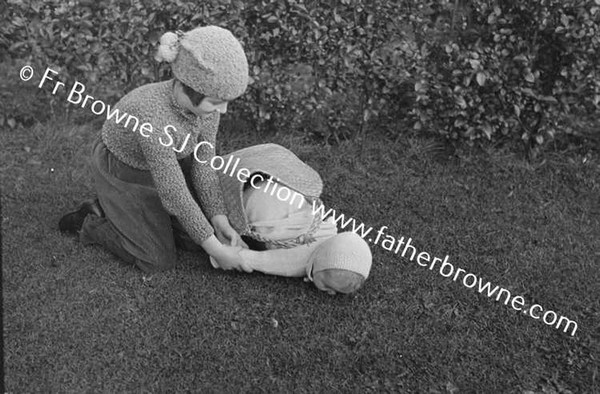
291 262
281 262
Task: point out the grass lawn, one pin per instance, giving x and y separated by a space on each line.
78 320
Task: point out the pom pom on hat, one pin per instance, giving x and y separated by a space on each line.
208 59
168 48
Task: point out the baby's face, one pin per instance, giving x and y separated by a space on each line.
338 280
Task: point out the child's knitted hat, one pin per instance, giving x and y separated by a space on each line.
346 251
208 59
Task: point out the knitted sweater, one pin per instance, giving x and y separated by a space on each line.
155 105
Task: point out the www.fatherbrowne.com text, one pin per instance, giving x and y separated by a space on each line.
405 248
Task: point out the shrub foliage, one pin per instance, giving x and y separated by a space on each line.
466 69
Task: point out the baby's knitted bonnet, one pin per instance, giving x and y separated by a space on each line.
346 251
208 59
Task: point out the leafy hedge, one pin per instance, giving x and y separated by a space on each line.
508 67
464 68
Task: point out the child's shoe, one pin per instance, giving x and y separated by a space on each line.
72 222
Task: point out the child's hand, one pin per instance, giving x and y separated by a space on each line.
225 233
228 258
224 256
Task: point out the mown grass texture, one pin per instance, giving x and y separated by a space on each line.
78 320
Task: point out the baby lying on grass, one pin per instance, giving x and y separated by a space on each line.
298 242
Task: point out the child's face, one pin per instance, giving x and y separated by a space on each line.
206 107
210 105
338 280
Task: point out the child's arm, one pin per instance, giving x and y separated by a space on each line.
172 189
177 200
204 179
207 185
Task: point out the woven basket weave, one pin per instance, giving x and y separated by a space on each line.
283 166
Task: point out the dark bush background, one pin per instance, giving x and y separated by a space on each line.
469 70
